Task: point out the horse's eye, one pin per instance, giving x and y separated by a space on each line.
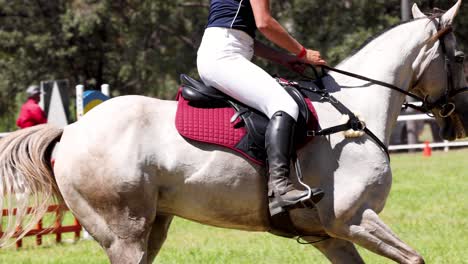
459 57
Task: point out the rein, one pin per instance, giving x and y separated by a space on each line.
388 85
447 107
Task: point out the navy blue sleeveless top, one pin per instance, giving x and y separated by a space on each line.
235 14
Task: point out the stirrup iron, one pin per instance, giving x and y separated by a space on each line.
314 194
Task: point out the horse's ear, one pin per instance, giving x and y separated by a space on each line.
448 17
417 12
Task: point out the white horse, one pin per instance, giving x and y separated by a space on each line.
125 172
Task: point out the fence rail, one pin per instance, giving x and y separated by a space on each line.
58 229
421 117
444 145
417 117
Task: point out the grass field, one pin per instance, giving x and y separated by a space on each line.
427 208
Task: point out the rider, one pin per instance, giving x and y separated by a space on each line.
223 62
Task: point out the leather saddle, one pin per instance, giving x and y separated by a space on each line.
201 96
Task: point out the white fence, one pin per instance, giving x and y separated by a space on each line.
445 145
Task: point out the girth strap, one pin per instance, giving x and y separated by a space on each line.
354 123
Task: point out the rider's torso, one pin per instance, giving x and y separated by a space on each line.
236 14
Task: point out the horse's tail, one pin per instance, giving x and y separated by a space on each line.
27 181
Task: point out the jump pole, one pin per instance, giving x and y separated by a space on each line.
105 89
80 88
79 101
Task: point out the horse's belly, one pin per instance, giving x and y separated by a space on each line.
214 187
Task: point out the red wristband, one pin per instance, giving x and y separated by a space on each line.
302 53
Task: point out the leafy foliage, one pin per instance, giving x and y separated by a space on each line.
141 46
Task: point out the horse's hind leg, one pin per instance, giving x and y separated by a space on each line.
130 225
339 251
128 250
124 237
119 222
158 235
373 234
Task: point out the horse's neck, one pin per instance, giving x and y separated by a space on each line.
388 58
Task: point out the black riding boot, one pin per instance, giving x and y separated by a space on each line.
279 147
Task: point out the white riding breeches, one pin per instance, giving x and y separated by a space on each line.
224 62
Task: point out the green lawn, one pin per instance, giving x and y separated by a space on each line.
427 208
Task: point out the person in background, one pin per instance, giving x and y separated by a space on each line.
31 113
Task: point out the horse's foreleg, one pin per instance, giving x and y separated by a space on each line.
339 251
384 232
158 235
372 233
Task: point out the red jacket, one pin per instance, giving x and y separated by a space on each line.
30 115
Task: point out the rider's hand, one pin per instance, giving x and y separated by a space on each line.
313 57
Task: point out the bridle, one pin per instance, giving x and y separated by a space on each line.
444 103
447 108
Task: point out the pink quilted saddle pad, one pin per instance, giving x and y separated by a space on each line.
213 126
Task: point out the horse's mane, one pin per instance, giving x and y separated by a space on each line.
436 13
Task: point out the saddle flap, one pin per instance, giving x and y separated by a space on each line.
300 101
256 124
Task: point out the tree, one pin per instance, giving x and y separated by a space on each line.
141 46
